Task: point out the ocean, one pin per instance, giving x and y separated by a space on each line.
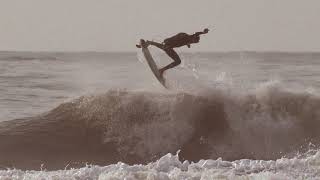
94 115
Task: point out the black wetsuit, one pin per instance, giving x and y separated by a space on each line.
179 40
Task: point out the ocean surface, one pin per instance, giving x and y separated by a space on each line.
91 115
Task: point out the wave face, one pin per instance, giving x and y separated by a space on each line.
140 127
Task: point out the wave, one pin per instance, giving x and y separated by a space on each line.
140 127
27 58
170 167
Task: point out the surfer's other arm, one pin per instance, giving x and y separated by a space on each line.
205 31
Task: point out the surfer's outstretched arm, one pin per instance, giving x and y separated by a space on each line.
205 31
158 45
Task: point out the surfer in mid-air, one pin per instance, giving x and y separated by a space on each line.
181 39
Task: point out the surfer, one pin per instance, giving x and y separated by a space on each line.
180 39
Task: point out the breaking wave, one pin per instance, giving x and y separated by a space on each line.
140 127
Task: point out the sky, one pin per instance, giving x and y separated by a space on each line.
116 25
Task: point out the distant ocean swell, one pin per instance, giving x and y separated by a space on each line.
140 127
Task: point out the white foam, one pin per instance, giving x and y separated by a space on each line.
169 167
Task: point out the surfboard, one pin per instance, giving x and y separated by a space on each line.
153 66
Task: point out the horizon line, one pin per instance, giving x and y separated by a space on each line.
231 51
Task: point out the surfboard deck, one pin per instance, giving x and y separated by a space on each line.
153 66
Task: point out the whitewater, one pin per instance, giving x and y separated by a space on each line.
90 115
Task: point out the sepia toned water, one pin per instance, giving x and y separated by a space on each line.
235 115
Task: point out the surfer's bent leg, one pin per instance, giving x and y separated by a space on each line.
171 53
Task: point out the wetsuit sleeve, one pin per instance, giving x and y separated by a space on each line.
199 33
